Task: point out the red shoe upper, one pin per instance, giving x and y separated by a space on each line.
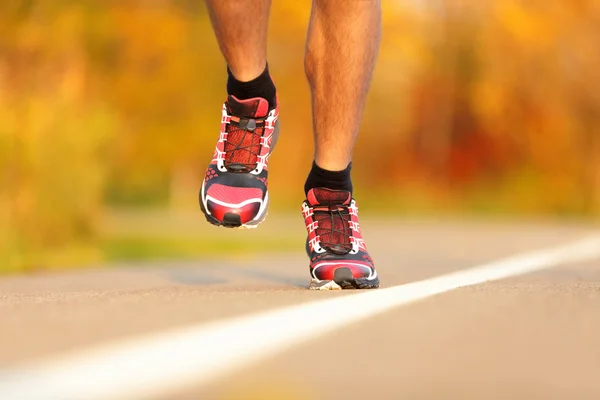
236 179
334 236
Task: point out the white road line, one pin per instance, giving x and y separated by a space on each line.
156 365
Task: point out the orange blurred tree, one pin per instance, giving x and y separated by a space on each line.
500 109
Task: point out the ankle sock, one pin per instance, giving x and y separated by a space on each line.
261 86
336 180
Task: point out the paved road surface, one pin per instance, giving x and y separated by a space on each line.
527 337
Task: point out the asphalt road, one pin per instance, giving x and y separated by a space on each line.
528 337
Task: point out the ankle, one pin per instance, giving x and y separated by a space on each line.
260 86
336 180
245 74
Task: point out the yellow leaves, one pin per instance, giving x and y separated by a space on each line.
489 100
53 134
151 30
528 23
290 17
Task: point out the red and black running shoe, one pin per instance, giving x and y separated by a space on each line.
234 191
337 251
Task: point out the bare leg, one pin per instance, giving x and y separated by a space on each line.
241 30
343 40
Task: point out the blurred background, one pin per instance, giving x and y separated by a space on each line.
110 110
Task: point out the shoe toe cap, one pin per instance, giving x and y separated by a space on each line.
326 270
229 202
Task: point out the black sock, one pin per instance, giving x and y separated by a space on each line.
336 180
261 86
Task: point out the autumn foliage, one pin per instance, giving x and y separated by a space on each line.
475 105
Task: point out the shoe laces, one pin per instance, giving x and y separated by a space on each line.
243 143
333 227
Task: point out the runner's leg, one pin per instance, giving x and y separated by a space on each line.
342 45
234 191
241 30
